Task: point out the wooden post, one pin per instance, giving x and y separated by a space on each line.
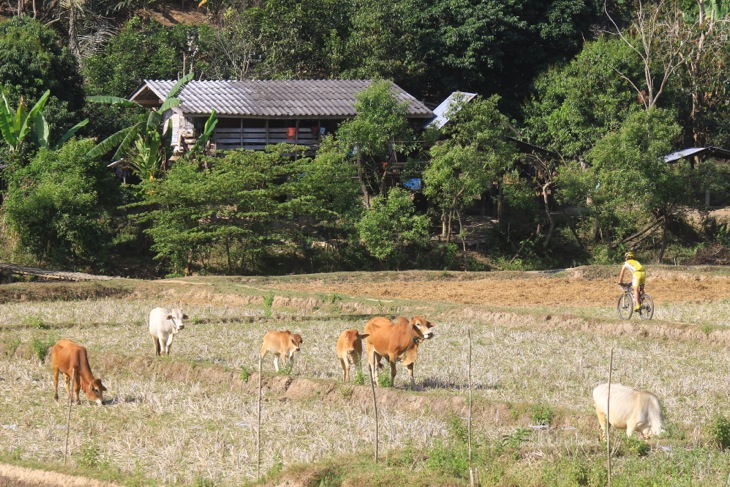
258 426
375 408
608 422
473 472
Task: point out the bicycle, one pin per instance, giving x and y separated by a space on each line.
625 305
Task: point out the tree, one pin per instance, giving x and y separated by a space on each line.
373 138
635 193
32 62
16 126
391 229
473 154
243 206
61 205
576 104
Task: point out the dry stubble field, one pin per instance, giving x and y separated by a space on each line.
538 340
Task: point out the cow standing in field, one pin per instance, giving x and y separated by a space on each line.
349 351
630 409
71 359
396 341
164 325
282 344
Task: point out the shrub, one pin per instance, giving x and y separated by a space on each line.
41 347
542 415
720 431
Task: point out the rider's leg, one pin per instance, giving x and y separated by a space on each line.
635 285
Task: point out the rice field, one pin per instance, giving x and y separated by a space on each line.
162 424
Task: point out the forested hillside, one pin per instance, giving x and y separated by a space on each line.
559 160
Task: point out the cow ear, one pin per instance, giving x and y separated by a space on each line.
185 317
365 335
169 317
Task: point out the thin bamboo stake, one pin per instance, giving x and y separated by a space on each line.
375 408
68 417
473 472
608 422
258 426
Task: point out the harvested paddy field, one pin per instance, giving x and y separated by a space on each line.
540 342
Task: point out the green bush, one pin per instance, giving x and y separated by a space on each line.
720 432
41 347
542 415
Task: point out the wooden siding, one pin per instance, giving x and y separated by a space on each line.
257 138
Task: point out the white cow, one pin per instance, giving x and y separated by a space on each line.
164 325
630 409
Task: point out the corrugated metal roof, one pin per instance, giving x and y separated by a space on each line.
710 151
274 98
442 110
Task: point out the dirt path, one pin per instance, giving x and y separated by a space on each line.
538 291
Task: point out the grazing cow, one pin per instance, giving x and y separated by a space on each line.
630 409
164 325
71 359
349 351
396 341
282 344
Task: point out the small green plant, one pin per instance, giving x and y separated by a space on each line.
457 428
720 432
245 374
268 303
359 378
334 298
449 458
384 380
41 347
346 391
203 482
90 456
542 415
285 369
278 464
516 438
35 322
16 454
637 447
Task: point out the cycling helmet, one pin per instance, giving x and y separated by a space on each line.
628 255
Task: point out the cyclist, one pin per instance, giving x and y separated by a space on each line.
638 273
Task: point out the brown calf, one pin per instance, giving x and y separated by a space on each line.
349 351
282 344
71 359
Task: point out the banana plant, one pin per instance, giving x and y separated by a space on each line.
16 125
146 143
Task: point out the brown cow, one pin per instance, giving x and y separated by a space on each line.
349 351
396 341
71 359
282 344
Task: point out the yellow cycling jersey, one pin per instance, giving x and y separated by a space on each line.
633 265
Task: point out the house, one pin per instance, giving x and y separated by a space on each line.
255 113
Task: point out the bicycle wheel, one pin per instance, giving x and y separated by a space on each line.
647 307
625 306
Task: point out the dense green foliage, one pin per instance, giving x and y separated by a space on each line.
32 61
606 90
61 205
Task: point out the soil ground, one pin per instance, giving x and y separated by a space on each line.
538 289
